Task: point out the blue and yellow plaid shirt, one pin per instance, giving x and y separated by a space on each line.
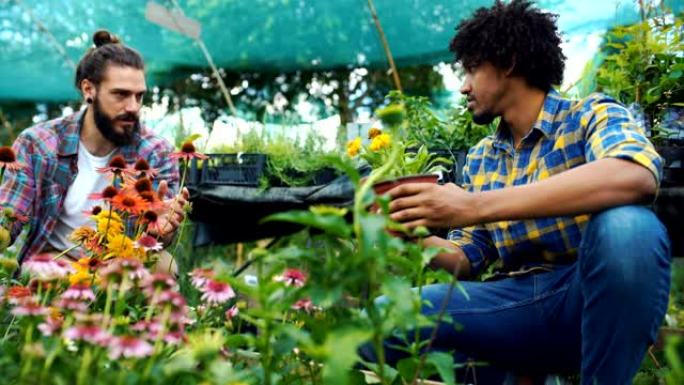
567 134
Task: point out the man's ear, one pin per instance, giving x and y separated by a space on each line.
88 90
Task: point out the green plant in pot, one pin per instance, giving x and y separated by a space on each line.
389 155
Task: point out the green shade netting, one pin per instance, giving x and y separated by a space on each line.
250 35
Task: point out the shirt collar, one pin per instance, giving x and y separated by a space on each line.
543 124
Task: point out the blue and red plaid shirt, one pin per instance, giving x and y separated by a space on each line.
49 152
567 133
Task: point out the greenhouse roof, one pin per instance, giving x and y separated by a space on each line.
40 40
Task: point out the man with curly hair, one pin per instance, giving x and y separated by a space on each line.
551 207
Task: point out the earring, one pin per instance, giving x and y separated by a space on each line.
89 100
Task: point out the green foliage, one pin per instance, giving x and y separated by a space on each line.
644 65
456 131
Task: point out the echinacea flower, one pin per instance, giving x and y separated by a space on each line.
292 277
148 243
79 292
16 294
304 304
129 347
51 326
91 333
199 277
8 159
215 292
117 166
232 312
142 168
107 194
129 203
43 267
30 308
160 282
69 304
353 147
187 152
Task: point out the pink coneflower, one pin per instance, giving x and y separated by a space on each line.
51 326
31 308
43 267
170 298
117 166
304 304
73 305
93 334
79 292
148 243
129 347
107 194
158 281
214 292
199 277
8 159
187 152
16 294
142 168
292 277
232 312
114 271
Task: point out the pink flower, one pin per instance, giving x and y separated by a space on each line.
172 299
129 347
148 243
29 308
88 333
116 269
79 292
215 292
44 268
74 305
158 281
304 304
232 312
292 277
200 277
51 326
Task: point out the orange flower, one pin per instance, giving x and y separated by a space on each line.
129 203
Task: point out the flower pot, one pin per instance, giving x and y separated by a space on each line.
383 187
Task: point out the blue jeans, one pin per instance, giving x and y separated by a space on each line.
596 316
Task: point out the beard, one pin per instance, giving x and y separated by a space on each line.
483 118
106 125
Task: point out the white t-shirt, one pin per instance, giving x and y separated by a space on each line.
76 203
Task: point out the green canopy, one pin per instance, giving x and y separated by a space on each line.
40 40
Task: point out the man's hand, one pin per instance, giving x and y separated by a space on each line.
172 216
432 205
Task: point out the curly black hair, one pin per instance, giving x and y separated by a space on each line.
512 35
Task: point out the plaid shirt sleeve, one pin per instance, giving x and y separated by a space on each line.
475 241
612 132
18 188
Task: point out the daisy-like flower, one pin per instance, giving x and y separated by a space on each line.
8 159
292 277
16 294
232 312
373 132
148 243
158 281
79 292
353 147
120 246
30 308
200 277
69 304
114 271
52 325
89 332
107 194
187 152
216 293
173 299
128 202
129 347
117 166
381 141
143 184
142 168
82 235
304 304
43 267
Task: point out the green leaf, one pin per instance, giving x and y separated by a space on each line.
444 363
331 224
341 349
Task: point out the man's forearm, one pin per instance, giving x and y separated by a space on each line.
587 188
452 259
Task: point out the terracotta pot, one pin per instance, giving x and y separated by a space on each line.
383 187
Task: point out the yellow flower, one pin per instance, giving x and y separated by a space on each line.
82 234
373 132
380 141
112 227
120 246
80 277
353 147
